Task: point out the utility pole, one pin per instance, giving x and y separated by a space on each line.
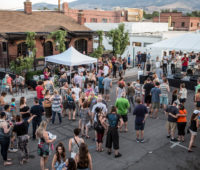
59 5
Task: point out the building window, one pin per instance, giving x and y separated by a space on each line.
146 44
22 49
198 24
93 19
104 20
48 48
81 45
182 24
84 20
191 24
4 47
137 44
173 24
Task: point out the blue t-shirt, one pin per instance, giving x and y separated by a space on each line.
100 79
113 119
155 93
139 111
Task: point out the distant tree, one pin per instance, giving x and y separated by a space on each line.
100 49
45 8
118 39
55 9
174 10
59 39
150 16
165 10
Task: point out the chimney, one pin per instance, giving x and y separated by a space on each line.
81 19
65 8
28 7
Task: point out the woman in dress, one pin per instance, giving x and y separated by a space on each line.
24 109
59 158
47 105
21 131
75 142
5 129
43 145
194 125
83 158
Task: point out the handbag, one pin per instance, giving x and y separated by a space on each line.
46 103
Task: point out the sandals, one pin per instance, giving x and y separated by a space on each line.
7 163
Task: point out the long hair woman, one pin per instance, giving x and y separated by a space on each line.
24 109
194 124
59 157
83 158
43 145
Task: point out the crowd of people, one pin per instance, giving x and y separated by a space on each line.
85 99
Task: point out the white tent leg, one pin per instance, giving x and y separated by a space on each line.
70 75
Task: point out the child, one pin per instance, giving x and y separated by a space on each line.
13 107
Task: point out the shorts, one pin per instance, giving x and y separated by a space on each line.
163 100
171 126
65 104
71 105
101 90
182 100
193 132
106 91
112 138
198 104
139 126
147 99
124 118
155 105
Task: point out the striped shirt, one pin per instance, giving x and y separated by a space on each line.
56 103
164 89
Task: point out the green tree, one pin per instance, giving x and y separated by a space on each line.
45 8
118 39
30 41
59 39
100 49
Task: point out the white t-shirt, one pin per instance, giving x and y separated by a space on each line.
77 92
165 58
157 64
105 70
183 93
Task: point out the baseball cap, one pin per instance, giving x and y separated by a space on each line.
196 112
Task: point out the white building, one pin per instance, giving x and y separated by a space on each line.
141 34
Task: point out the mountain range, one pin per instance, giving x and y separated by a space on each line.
149 5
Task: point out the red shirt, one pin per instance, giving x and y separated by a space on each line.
9 80
46 75
39 90
185 61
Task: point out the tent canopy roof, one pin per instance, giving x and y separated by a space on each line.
186 42
71 57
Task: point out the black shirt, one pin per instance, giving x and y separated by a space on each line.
148 87
25 109
21 129
113 119
37 110
173 110
139 111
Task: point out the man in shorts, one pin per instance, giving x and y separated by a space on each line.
171 112
122 105
141 113
107 82
155 99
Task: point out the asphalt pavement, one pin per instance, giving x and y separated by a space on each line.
156 153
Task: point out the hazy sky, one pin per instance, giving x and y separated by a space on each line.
19 4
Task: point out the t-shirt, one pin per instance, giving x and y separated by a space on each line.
39 90
164 89
78 80
37 110
77 92
139 111
56 103
165 59
25 109
100 80
155 93
106 70
113 119
197 88
173 110
137 88
185 61
122 105
183 93
148 87
21 128
106 82
182 118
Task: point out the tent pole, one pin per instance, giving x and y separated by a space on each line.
96 67
70 75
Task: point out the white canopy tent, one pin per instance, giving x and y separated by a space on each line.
71 57
186 42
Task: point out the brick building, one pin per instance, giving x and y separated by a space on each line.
179 22
98 16
15 24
